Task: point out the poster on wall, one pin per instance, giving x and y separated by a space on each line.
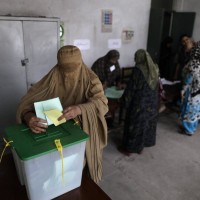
106 21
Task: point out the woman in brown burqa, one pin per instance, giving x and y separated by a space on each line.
81 94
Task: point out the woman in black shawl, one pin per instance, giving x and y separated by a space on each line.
108 69
141 102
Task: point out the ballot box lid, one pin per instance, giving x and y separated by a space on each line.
29 145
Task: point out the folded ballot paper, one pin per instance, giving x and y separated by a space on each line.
49 110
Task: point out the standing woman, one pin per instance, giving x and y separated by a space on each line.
190 107
81 94
141 102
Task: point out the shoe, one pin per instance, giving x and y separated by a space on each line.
123 151
140 152
188 134
182 131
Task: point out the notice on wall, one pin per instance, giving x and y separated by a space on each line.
106 21
82 44
114 43
127 35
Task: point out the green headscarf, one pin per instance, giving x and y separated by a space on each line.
148 67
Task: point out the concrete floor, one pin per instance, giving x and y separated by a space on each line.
168 171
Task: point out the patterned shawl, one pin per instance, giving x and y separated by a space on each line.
148 67
193 67
75 84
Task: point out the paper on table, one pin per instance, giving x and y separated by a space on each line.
50 104
53 116
166 82
113 93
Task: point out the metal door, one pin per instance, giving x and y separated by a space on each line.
155 32
41 46
12 73
28 50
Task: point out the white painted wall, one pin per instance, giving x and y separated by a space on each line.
190 6
82 20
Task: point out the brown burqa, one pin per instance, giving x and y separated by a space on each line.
75 84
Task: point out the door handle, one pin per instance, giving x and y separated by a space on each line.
25 61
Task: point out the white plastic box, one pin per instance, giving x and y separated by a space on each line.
43 174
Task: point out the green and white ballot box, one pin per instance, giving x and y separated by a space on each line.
48 164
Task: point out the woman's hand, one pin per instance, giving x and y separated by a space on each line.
70 113
35 124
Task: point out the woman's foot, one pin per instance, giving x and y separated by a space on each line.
162 108
182 131
188 134
124 151
140 152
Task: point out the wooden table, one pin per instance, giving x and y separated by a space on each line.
12 190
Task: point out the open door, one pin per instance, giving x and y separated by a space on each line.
182 23
155 32
164 23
